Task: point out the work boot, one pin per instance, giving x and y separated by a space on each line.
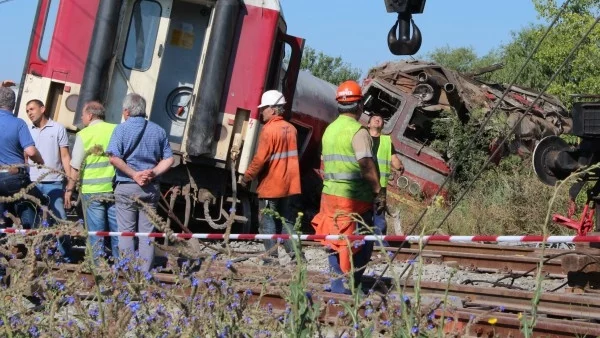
294 261
270 261
337 286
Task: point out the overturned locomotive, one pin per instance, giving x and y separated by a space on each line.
412 95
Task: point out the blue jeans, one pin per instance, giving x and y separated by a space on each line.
25 210
268 225
380 226
359 261
101 216
54 191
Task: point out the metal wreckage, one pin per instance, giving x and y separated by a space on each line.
411 95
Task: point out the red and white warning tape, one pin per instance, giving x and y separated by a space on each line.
250 237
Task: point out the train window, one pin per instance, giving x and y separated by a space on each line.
303 133
420 127
143 29
377 100
48 32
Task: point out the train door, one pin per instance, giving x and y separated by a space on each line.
179 68
139 54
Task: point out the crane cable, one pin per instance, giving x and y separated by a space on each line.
479 134
517 124
558 71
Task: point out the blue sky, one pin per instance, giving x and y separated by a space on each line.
357 32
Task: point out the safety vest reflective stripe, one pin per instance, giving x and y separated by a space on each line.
286 154
97 180
336 157
343 176
384 159
97 173
98 165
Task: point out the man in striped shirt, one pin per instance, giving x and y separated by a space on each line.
276 167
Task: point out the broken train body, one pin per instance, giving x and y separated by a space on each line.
413 94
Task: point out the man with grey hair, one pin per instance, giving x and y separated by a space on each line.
90 163
16 141
140 151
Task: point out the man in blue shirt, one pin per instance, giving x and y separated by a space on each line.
140 151
16 140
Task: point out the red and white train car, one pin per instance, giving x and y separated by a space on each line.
202 66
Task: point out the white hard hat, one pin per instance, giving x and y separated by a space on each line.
272 98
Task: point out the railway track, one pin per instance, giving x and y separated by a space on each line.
485 258
470 311
475 311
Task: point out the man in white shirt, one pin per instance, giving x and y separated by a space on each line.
52 141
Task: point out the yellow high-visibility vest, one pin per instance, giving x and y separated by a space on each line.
384 159
342 171
97 173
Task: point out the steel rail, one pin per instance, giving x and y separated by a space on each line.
484 312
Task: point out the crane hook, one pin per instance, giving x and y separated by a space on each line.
404 44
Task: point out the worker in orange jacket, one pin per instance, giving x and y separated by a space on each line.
350 187
276 167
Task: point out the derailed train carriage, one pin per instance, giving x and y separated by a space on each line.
412 95
202 66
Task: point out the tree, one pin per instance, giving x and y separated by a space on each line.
328 68
581 74
461 59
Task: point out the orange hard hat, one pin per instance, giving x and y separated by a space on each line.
349 92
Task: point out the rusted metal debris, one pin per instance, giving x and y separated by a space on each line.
440 89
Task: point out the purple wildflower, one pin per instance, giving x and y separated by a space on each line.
134 307
93 312
34 331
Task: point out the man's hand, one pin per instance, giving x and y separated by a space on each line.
401 169
8 83
143 177
244 182
67 199
379 202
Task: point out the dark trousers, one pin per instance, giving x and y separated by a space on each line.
359 260
10 184
287 208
